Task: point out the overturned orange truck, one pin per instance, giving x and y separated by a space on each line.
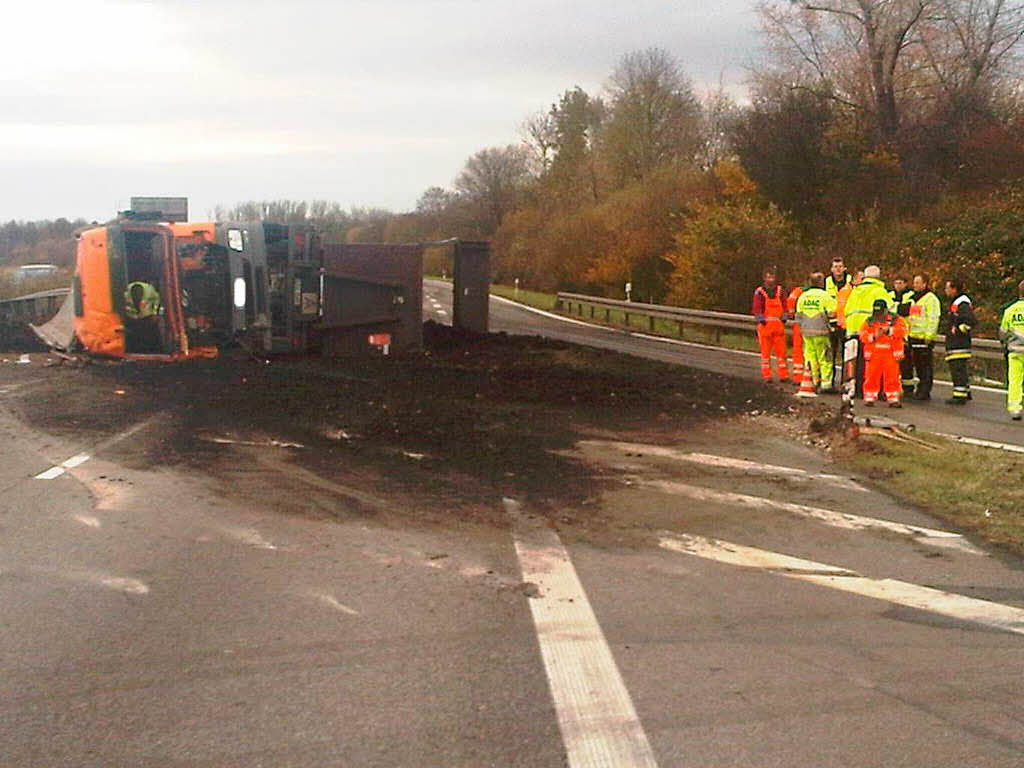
271 288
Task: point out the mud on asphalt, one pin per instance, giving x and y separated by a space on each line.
442 435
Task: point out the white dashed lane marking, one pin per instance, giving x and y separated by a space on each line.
60 469
599 725
1005 617
79 459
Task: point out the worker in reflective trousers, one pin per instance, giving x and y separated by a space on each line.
882 338
769 309
1011 333
815 311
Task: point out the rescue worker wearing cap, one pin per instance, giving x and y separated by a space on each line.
815 311
1011 333
770 311
962 321
925 311
902 295
142 317
860 307
838 285
882 338
798 344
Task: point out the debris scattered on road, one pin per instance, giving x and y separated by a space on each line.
337 434
257 443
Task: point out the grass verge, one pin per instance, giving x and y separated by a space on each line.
987 500
545 301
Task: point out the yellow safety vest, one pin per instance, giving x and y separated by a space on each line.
149 305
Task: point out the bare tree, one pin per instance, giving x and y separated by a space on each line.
719 116
887 59
494 179
540 136
971 44
654 114
855 50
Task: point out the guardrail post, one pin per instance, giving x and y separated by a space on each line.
718 336
651 323
680 329
591 311
607 314
627 318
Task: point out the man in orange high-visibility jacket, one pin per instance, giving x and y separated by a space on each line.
769 309
798 341
882 338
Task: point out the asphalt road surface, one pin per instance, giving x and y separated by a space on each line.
984 418
737 605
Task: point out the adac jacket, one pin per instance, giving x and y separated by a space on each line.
813 309
925 311
860 305
961 323
1011 329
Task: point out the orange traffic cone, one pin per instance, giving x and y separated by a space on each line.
807 384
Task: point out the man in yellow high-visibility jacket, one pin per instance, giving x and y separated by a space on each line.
925 311
816 311
142 310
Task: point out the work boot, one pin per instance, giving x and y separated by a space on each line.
957 401
1015 415
895 404
869 403
922 396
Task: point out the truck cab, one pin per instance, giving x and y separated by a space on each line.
205 283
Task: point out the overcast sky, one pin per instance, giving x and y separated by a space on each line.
366 103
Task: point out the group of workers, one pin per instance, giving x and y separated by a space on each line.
893 333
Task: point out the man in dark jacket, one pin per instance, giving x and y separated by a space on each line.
958 341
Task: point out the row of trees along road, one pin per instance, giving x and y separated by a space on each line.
888 131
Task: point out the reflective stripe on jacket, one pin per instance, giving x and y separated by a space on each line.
925 311
1011 329
812 311
860 305
884 337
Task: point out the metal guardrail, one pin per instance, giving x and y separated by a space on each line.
581 305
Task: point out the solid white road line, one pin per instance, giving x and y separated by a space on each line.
1005 617
727 462
600 727
51 473
983 443
844 520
